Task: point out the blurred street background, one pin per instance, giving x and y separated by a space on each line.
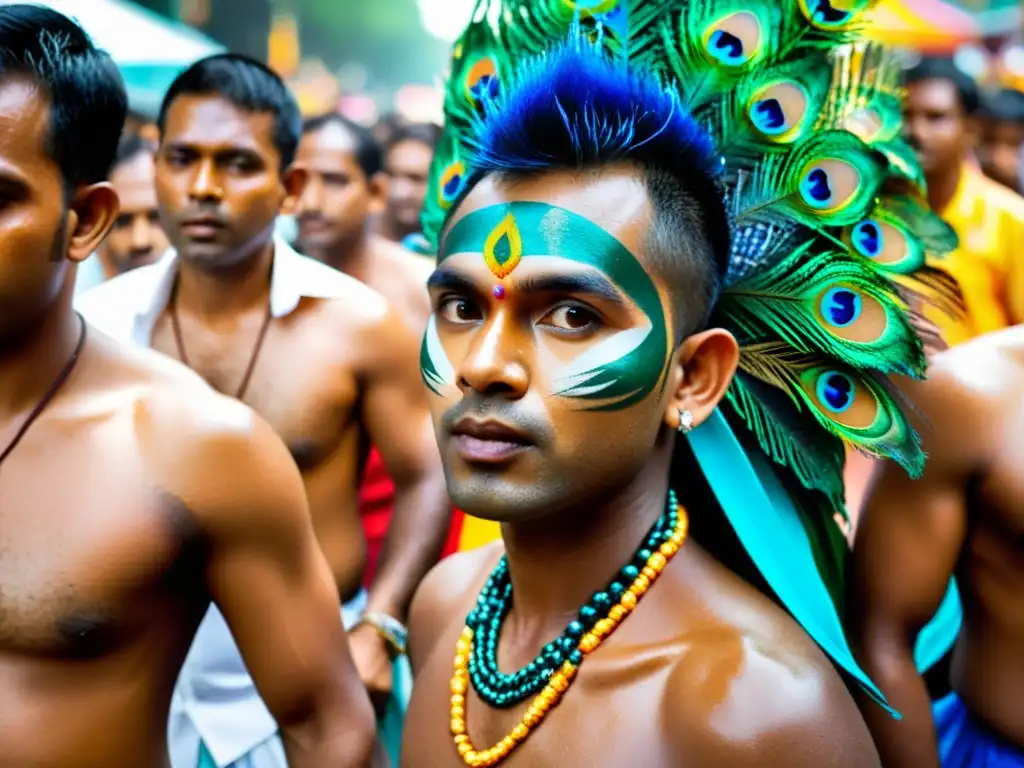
372 60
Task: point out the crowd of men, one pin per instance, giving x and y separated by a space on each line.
201 447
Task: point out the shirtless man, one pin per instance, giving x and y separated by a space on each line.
136 239
706 671
131 495
323 358
345 187
964 517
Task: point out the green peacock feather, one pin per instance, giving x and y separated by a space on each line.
832 233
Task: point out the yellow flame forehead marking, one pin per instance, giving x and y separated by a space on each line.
503 249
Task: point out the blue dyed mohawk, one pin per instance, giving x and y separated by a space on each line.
572 107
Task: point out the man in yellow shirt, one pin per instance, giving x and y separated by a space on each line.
939 116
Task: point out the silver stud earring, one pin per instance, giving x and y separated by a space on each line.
685 421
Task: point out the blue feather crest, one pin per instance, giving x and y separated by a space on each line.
572 107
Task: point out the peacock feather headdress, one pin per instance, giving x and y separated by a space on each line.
831 228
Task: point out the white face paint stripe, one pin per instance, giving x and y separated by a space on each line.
608 351
438 357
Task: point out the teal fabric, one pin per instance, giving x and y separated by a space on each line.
390 726
205 760
769 528
147 83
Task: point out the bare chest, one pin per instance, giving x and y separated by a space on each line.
992 568
611 716
87 552
298 378
997 500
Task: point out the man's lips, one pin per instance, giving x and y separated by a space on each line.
202 227
488 441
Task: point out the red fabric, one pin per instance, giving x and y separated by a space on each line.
376 500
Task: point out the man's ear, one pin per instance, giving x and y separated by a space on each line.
294 180
92 213
701 372
378 184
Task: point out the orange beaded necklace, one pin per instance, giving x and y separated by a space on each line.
560 682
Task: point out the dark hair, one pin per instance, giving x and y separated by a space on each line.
943 68
573 109
88 103
130 146
424 133
248 85
367 152
1005 105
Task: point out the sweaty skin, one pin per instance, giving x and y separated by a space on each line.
169 496
963 517
706 671
137 498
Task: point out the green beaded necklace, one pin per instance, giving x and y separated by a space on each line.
495 601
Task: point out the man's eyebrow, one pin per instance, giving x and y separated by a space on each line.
587 284
446 279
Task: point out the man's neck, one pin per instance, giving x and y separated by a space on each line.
213 295
391 230
352 257
557 563
942 186
30 364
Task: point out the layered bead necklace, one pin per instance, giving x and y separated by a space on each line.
550 674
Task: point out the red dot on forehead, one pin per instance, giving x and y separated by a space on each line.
499 292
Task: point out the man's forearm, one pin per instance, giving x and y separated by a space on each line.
909 742
416 534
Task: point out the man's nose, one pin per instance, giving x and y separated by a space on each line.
142 234
206 186
493 364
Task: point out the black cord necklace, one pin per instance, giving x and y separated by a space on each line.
59 382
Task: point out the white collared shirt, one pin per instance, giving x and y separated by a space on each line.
128 306
215 699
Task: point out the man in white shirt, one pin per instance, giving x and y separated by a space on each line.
324 359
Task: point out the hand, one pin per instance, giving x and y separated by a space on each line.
370 653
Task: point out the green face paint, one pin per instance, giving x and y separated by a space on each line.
615 374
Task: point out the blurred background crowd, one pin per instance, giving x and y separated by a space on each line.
380 65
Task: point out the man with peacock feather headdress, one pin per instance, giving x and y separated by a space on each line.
677 246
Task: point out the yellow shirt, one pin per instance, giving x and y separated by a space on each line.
989 264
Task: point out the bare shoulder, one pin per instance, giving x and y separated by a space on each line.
414 269
402 276
210 451
972 383
449 589
752 688
339 298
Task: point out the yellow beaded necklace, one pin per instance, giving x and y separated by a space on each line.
560 682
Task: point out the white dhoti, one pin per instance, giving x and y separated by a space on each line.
217 717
